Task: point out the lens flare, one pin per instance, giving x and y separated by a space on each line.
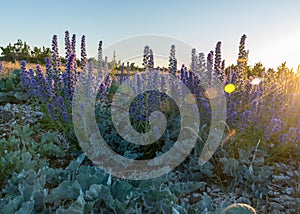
256 81
229 88
189 99
211 93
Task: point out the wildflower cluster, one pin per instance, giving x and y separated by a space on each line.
257 105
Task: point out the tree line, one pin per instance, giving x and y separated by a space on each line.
22 51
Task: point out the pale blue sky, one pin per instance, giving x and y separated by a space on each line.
272 27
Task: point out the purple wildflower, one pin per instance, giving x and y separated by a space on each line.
1 68
65 116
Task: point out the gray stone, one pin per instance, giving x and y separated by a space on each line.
282 198
185 200
275 212
291 174
244 200
5 116
280 178
196 195
7 107
289 190
290 211
277 206
289 204
38 114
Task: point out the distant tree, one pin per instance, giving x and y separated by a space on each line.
38 55
22 51
8 53
257 70
133 67
16 52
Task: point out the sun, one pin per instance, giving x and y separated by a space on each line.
273 53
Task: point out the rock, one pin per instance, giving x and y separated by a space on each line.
280 178
289 191
291 174
289 204
185 200
276 206
275 212
7 107
38 114
196 195
209 189
286 201
290 211
244 200
276 194
216 190
30 121
5 116
282 198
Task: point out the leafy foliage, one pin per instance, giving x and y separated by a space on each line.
11 89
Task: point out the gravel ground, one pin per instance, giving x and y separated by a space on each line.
284 195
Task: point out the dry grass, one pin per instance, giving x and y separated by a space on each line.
10 67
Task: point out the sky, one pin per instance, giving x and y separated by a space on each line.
272 27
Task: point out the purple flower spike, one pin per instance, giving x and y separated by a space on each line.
65 116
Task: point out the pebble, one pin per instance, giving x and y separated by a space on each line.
281 198
275 212
7 107
280 178
5 116
277 206
38 114
290 211
12 114
185 200
244 200
289 190
196 195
